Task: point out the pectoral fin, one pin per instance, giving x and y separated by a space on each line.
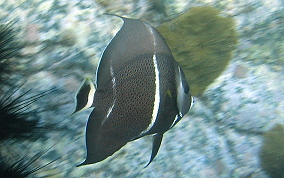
156 145
184 99
85 96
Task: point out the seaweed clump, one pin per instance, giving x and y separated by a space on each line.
272 152
202 42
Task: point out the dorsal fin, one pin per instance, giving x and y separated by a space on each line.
133 39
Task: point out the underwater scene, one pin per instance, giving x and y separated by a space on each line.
142 88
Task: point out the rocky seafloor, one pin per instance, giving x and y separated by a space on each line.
222 134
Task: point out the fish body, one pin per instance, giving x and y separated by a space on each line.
139 90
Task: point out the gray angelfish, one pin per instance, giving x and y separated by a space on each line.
140 90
